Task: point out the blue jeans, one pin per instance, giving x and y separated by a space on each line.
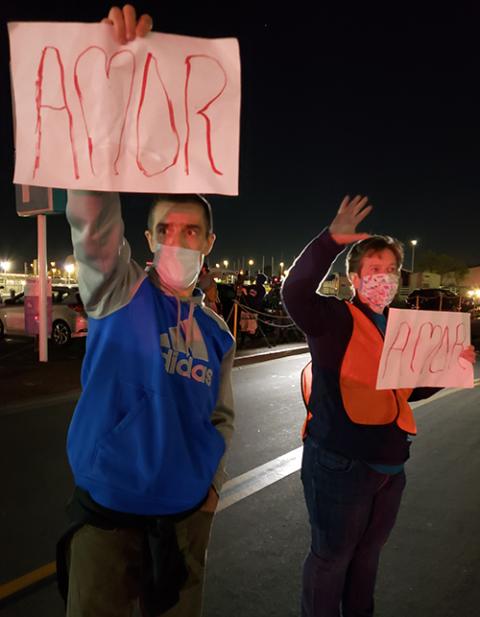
352 510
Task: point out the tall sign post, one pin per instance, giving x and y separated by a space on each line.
40 201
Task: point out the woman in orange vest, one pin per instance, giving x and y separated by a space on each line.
356 438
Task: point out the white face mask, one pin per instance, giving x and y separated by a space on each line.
378 289
177 267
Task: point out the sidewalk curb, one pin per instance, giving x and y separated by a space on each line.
66 397
269 355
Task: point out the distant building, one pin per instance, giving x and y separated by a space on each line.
472 279
424 280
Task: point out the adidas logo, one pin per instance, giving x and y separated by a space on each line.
174 342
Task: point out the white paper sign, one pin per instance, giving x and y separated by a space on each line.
422 348
160 114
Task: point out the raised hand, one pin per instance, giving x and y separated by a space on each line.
125 24
349 215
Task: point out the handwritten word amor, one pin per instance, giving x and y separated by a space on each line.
51 93
428 348
422 349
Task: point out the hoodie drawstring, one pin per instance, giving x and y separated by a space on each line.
189 328
179 320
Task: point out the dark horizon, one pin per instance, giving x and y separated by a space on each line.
330 105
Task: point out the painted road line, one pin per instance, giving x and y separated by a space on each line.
19 584
234 490
442 394
256 479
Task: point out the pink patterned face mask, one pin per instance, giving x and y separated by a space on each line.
378 289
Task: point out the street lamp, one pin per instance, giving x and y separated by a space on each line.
225 263
281 267
414 244
5 265
250 262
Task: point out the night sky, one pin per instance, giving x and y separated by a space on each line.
349 102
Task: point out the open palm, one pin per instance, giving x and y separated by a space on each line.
350 213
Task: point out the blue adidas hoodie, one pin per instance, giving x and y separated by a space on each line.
149 433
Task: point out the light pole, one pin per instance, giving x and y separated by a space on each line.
69 269
281 268
225 263
414 244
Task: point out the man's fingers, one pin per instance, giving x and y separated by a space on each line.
105 20
125 24
130 19
144 25
116 16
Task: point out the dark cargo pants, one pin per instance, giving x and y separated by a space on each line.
105 569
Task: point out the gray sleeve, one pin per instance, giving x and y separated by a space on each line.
107 277
223 414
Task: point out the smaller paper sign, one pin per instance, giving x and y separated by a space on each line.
422 348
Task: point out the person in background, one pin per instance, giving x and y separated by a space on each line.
207 284
251 298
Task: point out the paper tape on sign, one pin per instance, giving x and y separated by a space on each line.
160 114
422 348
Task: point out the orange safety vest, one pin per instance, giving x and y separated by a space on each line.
362 402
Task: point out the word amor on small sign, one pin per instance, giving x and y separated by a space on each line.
422 348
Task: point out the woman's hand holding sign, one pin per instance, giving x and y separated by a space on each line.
469 354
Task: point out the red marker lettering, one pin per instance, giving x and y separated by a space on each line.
171 117
201 112
39 97
108 66
401 339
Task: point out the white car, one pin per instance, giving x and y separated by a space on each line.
68 316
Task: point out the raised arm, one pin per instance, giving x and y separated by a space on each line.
107 277
307 307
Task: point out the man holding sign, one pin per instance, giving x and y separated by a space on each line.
356 438
149 433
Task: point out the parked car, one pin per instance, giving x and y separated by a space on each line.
69 319
433 299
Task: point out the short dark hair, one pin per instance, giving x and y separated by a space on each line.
369 246
182 198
